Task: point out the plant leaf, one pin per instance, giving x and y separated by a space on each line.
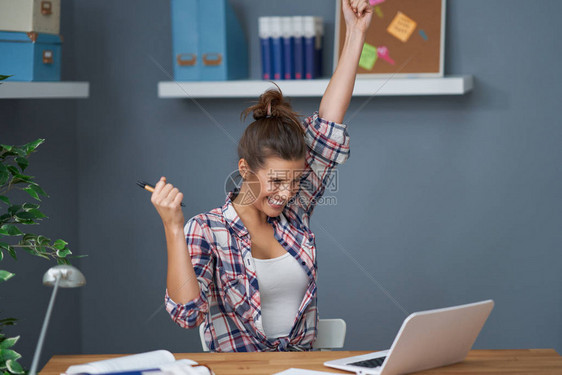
8 322
12 252
22 178
7 354
13 209
38 189
19 151
28 249
77 256
30 206
2 77
42 240
14 367
22 163
32 192
4 174
25 221
31 146
13 170
25 215
9 249
38 214
5 276
60 244
5 199
9 342
10 230
35 186
63 253
28 237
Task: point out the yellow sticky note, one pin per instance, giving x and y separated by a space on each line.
368 56
402 27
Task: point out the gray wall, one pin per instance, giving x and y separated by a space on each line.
444 200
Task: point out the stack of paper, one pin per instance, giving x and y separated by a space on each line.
152 363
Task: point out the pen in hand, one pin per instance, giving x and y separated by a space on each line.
147 186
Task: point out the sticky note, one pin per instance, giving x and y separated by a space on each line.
378 11
402 27
423 35
376 2
368 56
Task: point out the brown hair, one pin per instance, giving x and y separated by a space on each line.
276 131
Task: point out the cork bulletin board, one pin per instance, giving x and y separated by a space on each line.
405 38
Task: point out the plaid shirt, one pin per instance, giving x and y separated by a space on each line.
220 249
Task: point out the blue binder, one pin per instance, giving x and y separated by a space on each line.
267 71
185 40
265 47
310 65
298 47
30 56
319 47
277 58
208 41
288 47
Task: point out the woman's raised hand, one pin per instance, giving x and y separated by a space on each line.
167 200
357 14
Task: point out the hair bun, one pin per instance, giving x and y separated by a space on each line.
270 104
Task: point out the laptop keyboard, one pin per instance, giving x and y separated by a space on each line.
371 363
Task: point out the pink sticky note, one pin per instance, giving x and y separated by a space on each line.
383 53
375 2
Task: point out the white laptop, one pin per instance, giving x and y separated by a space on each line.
427 339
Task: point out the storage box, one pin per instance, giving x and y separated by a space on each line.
208 41
30 56
38 16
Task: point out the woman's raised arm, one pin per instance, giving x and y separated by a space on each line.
334 104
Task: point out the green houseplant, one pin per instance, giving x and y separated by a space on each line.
15 218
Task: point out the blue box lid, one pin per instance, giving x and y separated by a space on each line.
13 36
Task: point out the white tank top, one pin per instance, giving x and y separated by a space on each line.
282 283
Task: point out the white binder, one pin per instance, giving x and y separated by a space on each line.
40 16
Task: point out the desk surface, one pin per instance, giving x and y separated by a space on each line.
526 361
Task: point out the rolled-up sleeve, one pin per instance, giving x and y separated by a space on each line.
328 146
192 313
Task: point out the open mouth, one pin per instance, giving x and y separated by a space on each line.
275 203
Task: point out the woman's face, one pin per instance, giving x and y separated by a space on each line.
275 184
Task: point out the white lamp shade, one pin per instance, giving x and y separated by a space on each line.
70 277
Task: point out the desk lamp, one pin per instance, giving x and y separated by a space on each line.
64 276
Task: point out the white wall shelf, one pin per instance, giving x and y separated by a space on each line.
44 90
453 85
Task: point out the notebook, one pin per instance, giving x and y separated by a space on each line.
427 339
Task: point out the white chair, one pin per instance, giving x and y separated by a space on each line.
331 335
202 337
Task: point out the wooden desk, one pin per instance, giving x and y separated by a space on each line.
528 361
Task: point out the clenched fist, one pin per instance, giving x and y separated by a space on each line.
357 14
167 200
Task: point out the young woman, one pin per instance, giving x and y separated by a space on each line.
247 270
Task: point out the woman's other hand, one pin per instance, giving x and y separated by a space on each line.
167 200
357 14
